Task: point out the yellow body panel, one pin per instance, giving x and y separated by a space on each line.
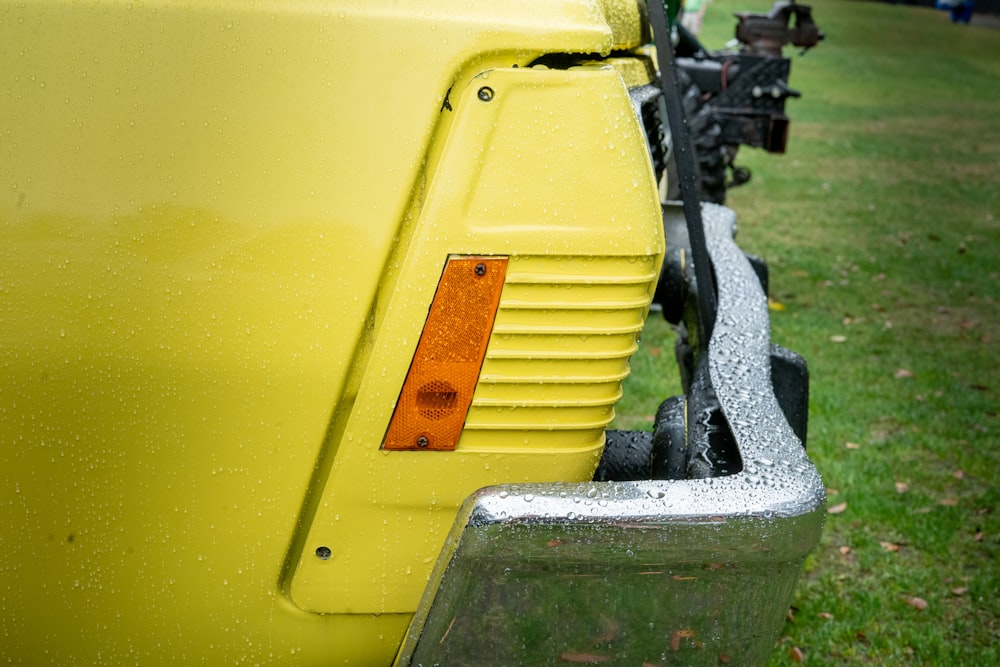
508 181
221 225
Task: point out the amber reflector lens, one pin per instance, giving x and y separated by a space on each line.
436 396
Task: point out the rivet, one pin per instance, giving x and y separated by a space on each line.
485 93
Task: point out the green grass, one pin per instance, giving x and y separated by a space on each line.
881 226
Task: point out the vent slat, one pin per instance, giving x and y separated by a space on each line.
559 351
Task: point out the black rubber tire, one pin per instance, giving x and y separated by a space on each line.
627 457
706 134
670 439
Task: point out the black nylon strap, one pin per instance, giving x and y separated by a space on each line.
684 154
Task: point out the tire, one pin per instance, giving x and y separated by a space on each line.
670 439
627 457
706 135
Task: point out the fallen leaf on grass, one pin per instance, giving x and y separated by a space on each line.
775 305
838 508
890 546
978 537
838 339
951 501
845 550
961 590
796 654
852 445
917 603
958 474
827 615
675 639
903 373
902 487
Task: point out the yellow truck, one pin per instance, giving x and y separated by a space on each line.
314 315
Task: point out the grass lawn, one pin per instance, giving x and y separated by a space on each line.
881 226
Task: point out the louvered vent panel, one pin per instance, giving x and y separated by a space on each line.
561 342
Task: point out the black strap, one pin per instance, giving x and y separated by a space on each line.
684 155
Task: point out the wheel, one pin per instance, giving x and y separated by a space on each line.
706 135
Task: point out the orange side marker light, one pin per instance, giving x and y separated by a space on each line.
437 393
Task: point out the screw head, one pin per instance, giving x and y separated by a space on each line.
485 93
422 441
480 269
323 553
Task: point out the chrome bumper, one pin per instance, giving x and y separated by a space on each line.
693 571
